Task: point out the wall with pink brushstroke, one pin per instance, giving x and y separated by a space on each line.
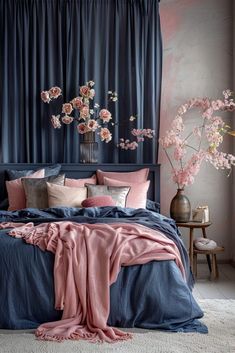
233 203
197 62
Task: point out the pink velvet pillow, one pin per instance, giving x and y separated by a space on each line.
98 201
16 193
137 176
80 182
137 196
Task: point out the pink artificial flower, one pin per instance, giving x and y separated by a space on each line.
105 115
227 93
92 125
220 160
137 132
45 97
170 139
55 92
143 133
183 109
213 135
105 135
55 120
207 113
132 145
230 106
82 128
177 124
127 145
67 108
140 139
67 119
85 91
217 120
217 104
84 112
179 153
77 103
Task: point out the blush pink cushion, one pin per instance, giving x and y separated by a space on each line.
138 176
16 193
98 201
137 196
78 183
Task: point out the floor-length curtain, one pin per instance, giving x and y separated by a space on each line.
43 43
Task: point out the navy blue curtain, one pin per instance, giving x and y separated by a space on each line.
45 43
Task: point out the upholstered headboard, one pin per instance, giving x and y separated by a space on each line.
85 170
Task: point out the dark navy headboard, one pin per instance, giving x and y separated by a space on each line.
85 170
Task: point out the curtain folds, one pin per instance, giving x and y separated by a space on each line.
43 43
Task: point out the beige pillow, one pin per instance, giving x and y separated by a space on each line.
118 194
65 196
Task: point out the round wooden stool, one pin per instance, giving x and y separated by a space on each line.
214 270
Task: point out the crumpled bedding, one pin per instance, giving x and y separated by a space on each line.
26 276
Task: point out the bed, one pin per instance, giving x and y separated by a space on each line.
152 295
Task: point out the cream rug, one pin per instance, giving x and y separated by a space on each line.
219 317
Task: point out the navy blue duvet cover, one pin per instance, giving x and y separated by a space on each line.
150 296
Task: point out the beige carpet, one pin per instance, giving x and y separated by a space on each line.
219 317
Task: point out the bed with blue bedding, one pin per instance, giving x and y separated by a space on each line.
150 296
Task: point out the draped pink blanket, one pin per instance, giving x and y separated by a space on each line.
88 258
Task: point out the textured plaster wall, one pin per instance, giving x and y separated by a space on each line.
233 216
197 62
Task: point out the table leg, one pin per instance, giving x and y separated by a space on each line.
207 256
191 248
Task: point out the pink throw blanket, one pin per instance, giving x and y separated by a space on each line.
88 258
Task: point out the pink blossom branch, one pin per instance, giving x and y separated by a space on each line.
202 130
168 157
212 131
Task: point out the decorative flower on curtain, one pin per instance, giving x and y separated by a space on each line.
187 151
90 118
140 136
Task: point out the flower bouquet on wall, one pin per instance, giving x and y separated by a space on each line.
186 150
90 119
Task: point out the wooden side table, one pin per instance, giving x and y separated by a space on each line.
212 253
192 226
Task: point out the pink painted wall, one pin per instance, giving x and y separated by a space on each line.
197 62
233 208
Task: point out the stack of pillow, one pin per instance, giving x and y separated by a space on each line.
48 188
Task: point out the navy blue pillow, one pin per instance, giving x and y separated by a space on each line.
51 170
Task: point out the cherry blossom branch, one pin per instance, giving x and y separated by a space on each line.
212 131
168 157
140 135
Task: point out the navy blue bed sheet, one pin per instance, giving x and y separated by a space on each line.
150 296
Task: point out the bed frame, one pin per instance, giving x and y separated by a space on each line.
76 171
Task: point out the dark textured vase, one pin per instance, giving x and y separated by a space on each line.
88 148
180 209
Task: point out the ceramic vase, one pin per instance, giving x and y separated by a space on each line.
180 208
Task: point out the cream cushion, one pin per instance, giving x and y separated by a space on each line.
65 196
205 244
